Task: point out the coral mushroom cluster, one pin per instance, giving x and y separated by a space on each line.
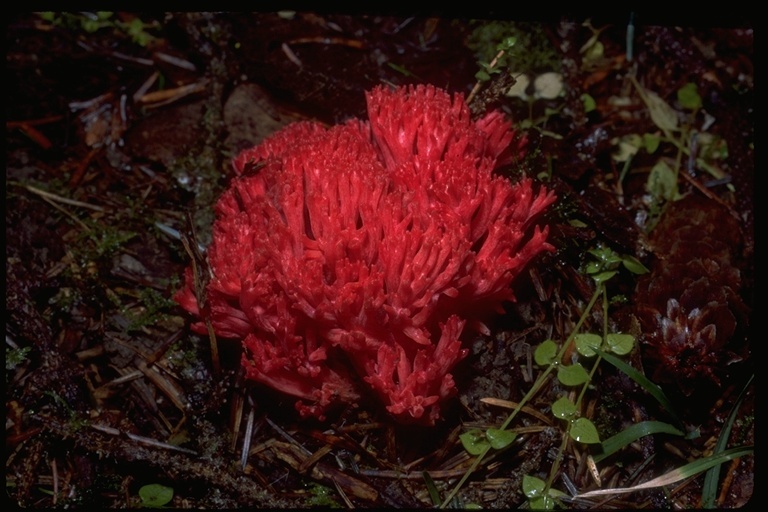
350 259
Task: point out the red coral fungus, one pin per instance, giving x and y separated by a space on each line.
352 256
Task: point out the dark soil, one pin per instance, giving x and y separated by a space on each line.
119 133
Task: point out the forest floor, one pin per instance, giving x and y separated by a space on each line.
120 130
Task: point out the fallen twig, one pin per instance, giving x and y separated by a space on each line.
141 439
60 199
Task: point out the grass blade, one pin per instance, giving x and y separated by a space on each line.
632 433
709 488
679 474
643 382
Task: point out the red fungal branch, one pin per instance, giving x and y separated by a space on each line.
352 256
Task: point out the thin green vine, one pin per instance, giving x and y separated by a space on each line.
548 355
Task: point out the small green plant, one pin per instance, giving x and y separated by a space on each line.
155 307
518 56
571 374
499 62
540 496
684 129
322 496
15 356
91 22
566 362
100 239
527 47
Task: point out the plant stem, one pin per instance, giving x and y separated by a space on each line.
540 380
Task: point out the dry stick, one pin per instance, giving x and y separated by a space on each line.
167 96
294 454
175 61
314 458
727 481
507 404
492 65
141 439
81 167
214 348
438 474
201 282
27 127
61 199
237 410
708 193
288 437
144 88
166 387
247 438
67 213
33 122
353 43
343 494
55 477
291 56
38 138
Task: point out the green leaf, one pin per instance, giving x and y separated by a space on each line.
593 267
651 142
507 43
608 261
572 375
584 431
544 355
606 255
589 103
577 223
688 96
662 115
662 182
475 442
712 147
627 147
643 381
633 264
482 76
542 503
586 343
709 488
594 52
401 69
434 494
499 438
155 495
603 276
564 409
533 486
620 344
